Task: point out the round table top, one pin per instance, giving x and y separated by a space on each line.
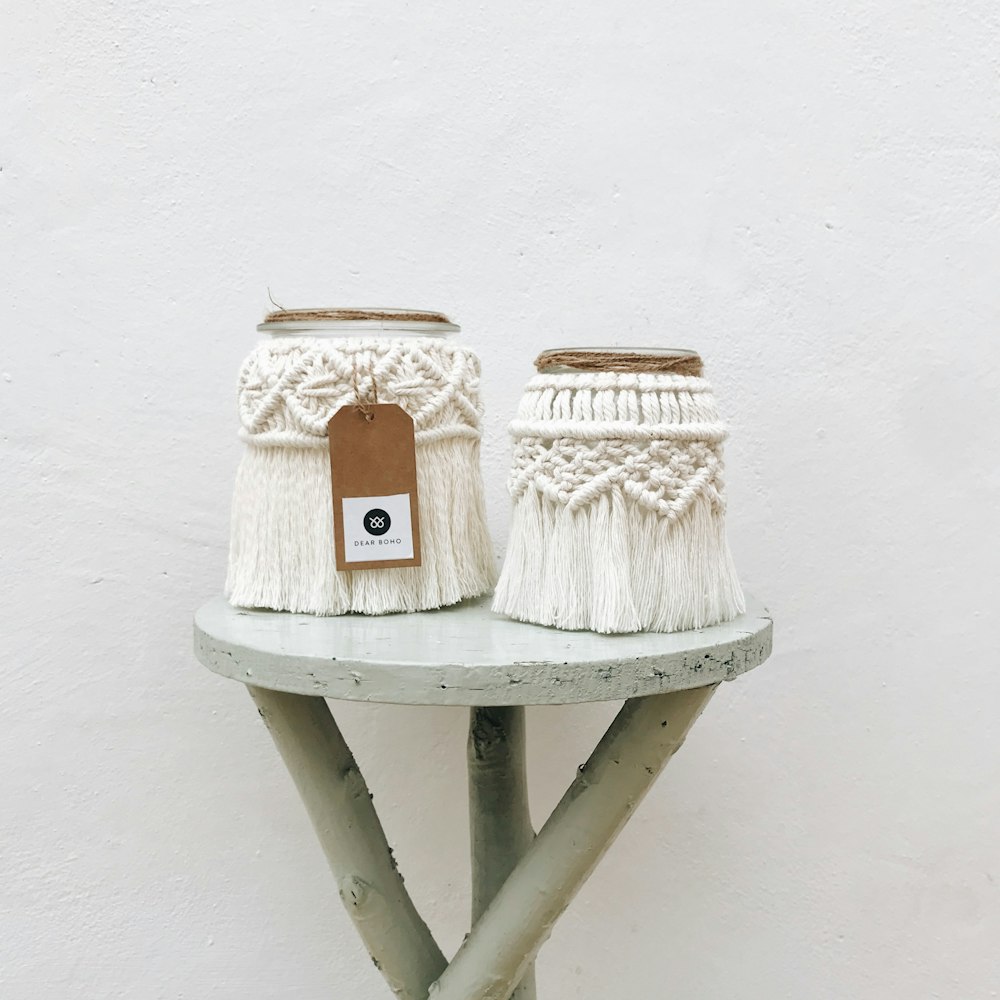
467 655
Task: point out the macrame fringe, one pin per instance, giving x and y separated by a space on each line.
614 566
281 545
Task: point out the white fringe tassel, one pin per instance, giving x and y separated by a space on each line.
612 567
619 534
282 536
281 540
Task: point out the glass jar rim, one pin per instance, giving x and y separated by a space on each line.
369 320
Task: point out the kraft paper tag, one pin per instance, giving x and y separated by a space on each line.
373 470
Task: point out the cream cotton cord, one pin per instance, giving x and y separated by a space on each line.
281 541
618 518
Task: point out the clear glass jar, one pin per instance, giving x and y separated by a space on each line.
309 363
617 490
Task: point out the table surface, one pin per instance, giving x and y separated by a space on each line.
467 655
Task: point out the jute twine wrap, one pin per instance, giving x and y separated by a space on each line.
354 315
669 363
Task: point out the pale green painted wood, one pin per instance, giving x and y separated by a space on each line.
499 816
466 655
350 833
642 738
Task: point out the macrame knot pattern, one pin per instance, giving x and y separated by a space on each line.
281 550
288 389
657 438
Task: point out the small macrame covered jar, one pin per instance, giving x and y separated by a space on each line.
311 363
618 502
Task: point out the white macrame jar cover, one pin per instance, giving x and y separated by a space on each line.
618 502
281 553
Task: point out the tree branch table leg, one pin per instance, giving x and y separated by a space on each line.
499 818
642 738
349 830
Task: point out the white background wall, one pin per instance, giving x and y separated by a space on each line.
808 193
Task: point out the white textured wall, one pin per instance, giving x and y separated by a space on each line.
807 193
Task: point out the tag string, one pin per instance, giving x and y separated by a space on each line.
364 406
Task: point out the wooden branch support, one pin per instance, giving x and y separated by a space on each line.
521 883
499 817
498 951
340 807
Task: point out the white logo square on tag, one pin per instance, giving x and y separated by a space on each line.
377 529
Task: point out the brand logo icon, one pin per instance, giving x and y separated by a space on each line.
377 522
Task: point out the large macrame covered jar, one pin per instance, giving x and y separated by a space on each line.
311 363
618 500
